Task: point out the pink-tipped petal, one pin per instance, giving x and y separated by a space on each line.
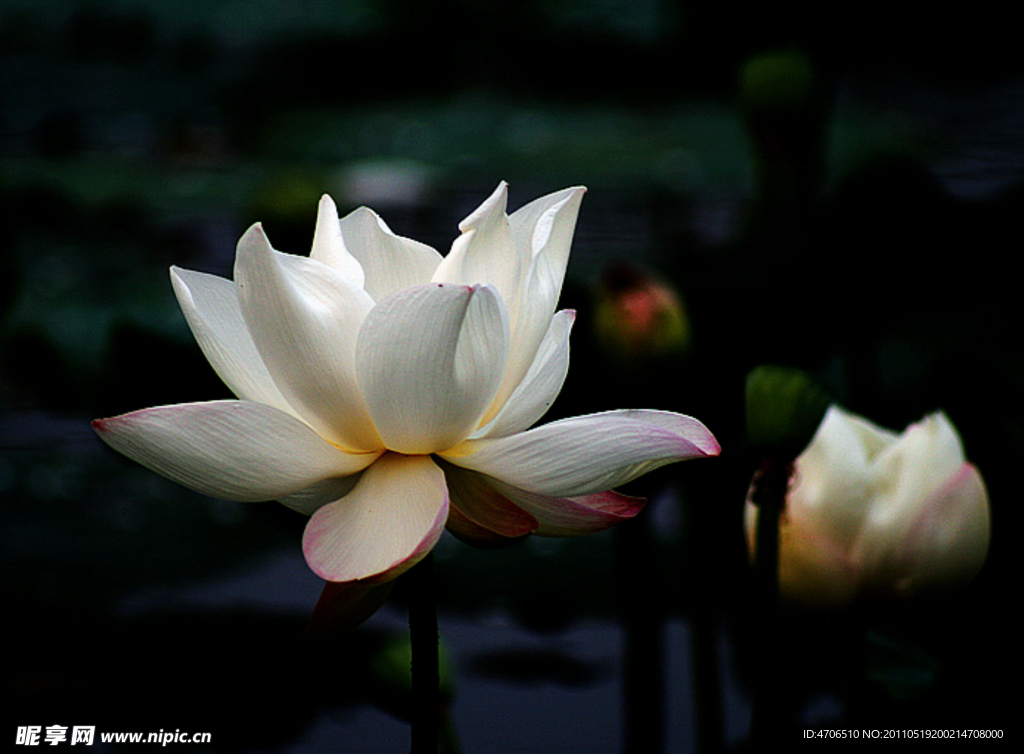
574 516
235 450
429 359
390 521
483 505
343 606
948 543
465 530
587 454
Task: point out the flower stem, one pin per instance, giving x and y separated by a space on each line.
426 698
769 495
643 620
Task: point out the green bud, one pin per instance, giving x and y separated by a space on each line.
780 81
784 408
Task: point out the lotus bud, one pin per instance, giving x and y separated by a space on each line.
639 315
870 513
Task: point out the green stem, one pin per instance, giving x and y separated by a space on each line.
770 498
769 495
640 593
426 697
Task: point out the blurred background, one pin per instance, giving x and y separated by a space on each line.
839 192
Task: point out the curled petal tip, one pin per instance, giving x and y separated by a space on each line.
495 203
178 284
699 437
711 447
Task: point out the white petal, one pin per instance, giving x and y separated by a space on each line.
329 247
948 542
390 262
392 518
211 308
542 383
485 253
429 360
236 450
875 439
835 466
546 226
304 318
587 454
911 479
542 232
907 472
310 499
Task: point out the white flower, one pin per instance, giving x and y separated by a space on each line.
389 392
872 513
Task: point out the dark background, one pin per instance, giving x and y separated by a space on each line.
838 191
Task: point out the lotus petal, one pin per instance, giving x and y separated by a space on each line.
211 308
390 520
329 245
587 454
305 318
235 450
391 262
429 361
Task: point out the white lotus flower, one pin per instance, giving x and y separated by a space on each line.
869 512
388 392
